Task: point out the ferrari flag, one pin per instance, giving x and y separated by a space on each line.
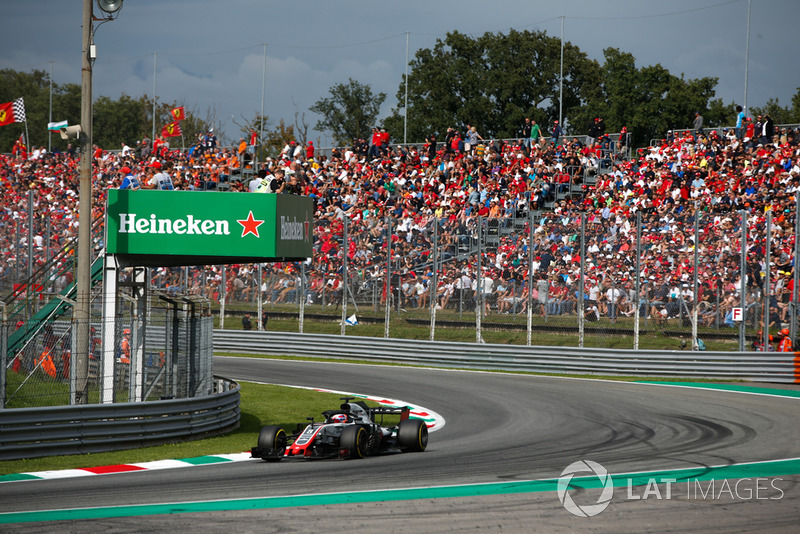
12 112
178 114
172 129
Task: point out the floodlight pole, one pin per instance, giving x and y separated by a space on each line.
405 104
561 78
747 55
81 314
155 60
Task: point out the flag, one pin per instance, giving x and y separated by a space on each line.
19 110
351 321
178 114
56 126
172 129
12 112
6 113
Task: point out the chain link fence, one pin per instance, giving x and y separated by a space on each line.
166 353
605 279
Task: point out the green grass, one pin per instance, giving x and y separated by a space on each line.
260 405
546 331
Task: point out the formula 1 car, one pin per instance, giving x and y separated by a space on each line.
353 431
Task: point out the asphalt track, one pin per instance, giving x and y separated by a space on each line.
502 430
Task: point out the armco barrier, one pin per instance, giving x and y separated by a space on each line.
79 429
754 366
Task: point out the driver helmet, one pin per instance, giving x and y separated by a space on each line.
339 418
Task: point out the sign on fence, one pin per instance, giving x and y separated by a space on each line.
168 228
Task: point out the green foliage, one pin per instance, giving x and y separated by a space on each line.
647 100
492 82
349 112
118 121
277 138
34 87
719 114
796 107
780 114
125 119
273 140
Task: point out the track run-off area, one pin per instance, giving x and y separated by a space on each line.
508 451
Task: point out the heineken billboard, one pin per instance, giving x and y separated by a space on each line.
167 228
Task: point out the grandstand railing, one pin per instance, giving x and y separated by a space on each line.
721 130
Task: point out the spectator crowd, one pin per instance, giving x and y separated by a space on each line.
540 198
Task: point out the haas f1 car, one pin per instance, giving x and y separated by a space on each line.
353 431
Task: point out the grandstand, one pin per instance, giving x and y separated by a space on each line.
524 214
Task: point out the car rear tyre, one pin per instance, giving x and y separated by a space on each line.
412 435
354 440
272 440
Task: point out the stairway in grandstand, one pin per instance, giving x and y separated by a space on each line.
22 305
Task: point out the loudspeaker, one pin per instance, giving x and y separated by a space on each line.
70 132
109 6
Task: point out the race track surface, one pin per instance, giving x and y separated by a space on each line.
500 428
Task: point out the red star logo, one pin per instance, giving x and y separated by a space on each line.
250 225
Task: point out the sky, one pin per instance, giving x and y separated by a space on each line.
209 55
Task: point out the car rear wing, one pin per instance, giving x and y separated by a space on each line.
403 411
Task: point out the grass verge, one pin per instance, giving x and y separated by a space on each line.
260 405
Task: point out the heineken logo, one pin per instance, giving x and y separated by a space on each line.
173 226
291 230
129 223
250 225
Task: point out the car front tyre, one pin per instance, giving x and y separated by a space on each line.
272 441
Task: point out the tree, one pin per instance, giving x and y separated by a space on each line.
492 82
780 114
719 114
118 121
276 139
34 87
301 127
648 100
349 112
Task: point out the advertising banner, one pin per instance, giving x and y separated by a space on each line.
167 228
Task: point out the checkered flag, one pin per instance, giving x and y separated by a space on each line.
19 110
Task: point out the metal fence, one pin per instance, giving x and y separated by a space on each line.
594 280
166 354
82 429
761 367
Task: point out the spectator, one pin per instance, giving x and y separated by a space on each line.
740 122
555 134
697 125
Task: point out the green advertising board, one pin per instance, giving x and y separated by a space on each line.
168 228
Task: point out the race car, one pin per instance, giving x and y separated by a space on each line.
353 431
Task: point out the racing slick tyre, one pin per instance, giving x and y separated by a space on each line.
354 440
412 435
272 443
